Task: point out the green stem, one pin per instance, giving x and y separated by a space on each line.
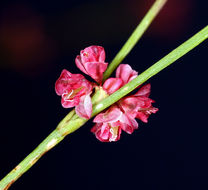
53 139
135 36
72 122
153 70
68 125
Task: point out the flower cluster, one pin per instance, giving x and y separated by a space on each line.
121 116
75 91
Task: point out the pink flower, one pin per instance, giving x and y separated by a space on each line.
109 125
84 108
138 105
122 115
112 84
124 74
91 61
75 90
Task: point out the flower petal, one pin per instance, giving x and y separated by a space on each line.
84 109
101 131
93 54
144 91
69 103
130 105
67 81
92 62
126 73
112 84
104 132
96 70
112 115
128 124
62 82
80 65
144 114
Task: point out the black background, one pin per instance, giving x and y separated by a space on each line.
40 38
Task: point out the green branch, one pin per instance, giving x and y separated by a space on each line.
53 139
153 70
72 122
135 36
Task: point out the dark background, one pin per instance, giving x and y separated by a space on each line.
40 38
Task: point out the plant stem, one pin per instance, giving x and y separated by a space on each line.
153 70
72 122
135 36
68 125
53 139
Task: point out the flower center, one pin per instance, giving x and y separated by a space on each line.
85 54
148 110
114 132
68 96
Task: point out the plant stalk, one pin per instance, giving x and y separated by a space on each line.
135 36
153 70
72 122
53 139
65 127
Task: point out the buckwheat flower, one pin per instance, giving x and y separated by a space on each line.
91 61
75 90
109 125
138 105
84 108
122 115
126 73
112 84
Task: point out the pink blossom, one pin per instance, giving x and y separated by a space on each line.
138 105
91 61
74 90
126 73
122 115
109 125
84 108
112 84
